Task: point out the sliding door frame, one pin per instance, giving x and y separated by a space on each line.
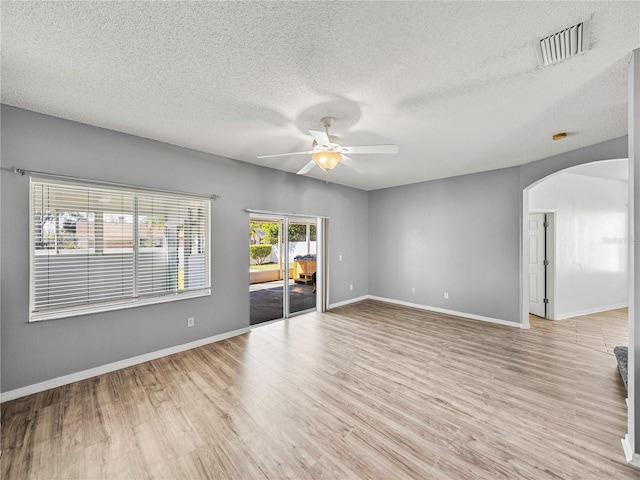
286 307
322 267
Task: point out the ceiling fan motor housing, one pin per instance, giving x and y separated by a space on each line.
335 143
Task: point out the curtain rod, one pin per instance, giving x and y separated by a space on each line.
23 172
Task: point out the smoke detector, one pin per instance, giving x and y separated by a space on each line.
564 44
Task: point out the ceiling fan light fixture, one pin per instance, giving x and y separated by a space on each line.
327 160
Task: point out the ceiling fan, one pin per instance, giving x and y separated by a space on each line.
328 150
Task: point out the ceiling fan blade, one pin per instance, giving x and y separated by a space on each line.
306 168
320 137
371 149
352 164
285 154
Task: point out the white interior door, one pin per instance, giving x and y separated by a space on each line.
537 264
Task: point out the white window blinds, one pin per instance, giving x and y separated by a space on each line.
97 248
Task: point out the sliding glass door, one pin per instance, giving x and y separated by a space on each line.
266 269
282 266
302 253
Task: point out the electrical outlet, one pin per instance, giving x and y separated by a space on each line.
351 287
446 295
413 289
191 322
339 258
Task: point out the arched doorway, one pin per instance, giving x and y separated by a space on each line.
585 213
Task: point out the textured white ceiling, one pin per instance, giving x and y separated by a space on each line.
455 84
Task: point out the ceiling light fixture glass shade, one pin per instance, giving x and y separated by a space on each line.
327 160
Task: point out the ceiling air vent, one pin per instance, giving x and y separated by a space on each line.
564 44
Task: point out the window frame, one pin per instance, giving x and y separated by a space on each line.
122 303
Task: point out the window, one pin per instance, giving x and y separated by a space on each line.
96 248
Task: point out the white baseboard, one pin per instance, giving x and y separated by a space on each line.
111 367
347 302
630 456
450 312
590 311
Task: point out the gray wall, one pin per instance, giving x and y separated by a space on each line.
458 235
534 171
36 352
461 235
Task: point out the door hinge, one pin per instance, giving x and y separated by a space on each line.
546 263
546 300
545 224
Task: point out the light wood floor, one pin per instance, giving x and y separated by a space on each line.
369 390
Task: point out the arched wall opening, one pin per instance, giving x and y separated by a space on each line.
534 173
587 215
